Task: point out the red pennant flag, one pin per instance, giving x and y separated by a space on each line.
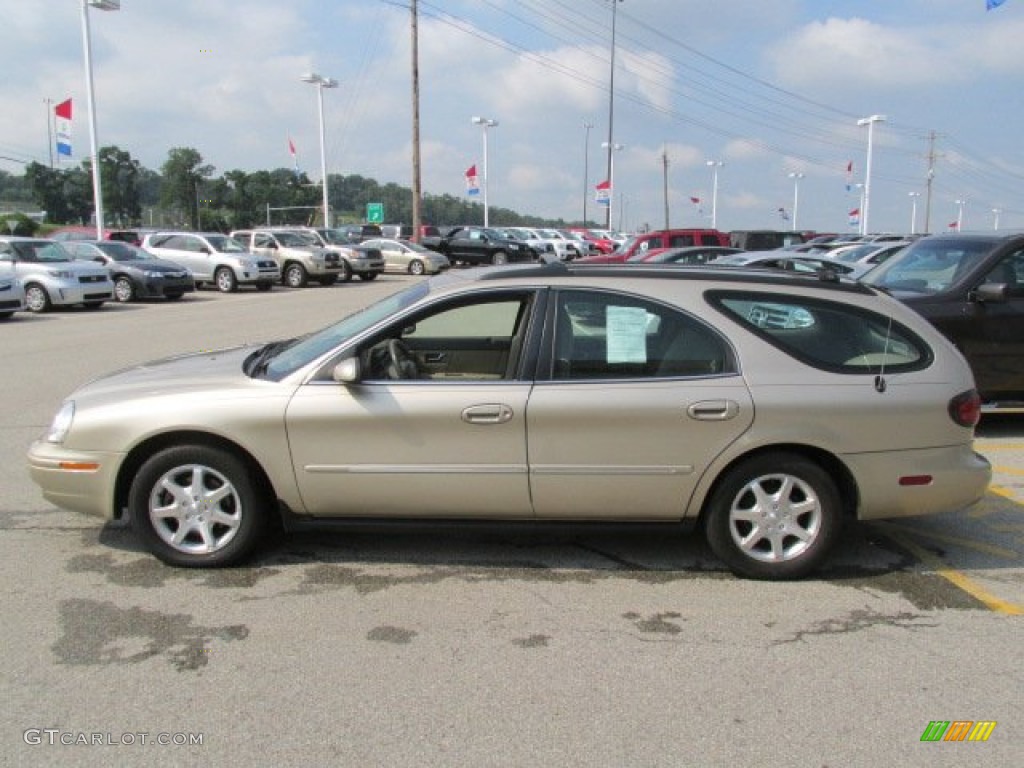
63 110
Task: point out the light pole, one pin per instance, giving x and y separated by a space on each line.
611 175
485 123
322 82
913 211
94 154
796 176
960 215
610 145
870 123
586 168
714 165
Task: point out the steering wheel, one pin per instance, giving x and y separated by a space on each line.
403 364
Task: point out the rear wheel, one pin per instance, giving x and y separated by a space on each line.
196 506
775 516
225 279
329 280
295 276
37 299
499 257
416 267
124 290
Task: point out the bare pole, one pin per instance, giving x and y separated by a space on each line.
664 163
417 184
586 168
611 119
49 128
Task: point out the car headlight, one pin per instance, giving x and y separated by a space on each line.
61 424
60 274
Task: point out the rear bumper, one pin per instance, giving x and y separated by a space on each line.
919 482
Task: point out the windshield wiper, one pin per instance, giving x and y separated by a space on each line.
256 364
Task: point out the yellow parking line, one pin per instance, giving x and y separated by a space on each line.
1008 470
977 546
961 580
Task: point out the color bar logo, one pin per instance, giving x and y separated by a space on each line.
958 730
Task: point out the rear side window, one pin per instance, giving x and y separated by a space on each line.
829 335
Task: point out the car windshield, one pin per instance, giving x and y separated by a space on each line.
225 244
119 251
311 347
928 266
40 250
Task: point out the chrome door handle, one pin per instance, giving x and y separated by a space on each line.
491 413
713 410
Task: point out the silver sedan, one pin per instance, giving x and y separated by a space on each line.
402 256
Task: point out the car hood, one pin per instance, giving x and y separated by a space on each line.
153 265
197 371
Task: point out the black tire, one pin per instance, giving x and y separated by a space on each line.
328 281
6 315
346 272
124 290
499 257
218 523
295 276
37 300
264 287
368 276
775 516
225 280
416 267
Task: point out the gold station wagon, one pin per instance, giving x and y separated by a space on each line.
765 407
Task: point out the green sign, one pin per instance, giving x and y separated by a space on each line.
375 213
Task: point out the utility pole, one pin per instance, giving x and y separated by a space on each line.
928 183
417 184
664 174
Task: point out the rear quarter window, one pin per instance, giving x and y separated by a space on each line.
829 335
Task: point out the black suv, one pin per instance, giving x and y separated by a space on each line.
970 287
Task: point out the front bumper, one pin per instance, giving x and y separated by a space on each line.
81 481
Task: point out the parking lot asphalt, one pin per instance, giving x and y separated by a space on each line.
480 645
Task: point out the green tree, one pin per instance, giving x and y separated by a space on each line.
183 173
120 176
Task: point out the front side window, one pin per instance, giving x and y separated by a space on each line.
475 340
826 334
601 335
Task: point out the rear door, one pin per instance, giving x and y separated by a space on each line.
640 398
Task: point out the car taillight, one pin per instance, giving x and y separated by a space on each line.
965 408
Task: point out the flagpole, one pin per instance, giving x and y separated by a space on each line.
49 128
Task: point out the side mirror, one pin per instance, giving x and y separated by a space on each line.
348 371
994 293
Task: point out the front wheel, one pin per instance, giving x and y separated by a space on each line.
196 506
37 299
775 516
295 276
124 290
346 272
416 267
225 280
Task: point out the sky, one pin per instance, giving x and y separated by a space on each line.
767 88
